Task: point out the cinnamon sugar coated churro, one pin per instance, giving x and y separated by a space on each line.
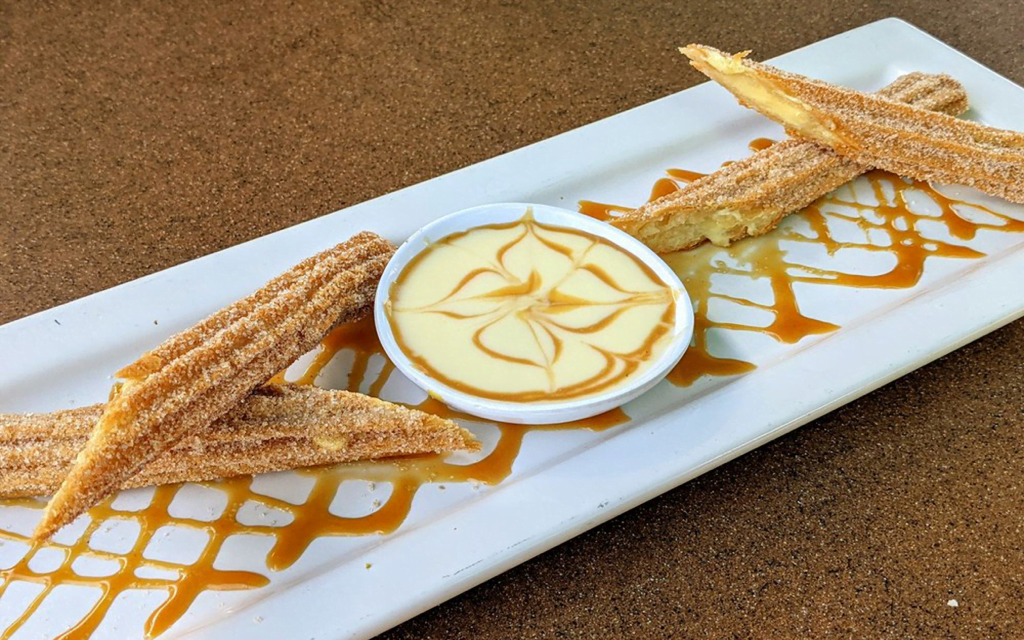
874 130
197 376
275 428
749 197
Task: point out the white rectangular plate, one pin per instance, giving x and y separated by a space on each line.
563 482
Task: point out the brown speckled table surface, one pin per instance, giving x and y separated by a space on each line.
134 136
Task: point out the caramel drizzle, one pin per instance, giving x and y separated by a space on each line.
310 520
769 257
544 302
765 257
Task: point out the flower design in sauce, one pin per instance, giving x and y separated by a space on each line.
524 311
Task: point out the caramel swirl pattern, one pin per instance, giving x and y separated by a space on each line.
526 311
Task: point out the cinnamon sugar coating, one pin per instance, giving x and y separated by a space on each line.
749 197
197 376
874 130
274 429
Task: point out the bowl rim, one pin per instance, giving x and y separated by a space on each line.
497 213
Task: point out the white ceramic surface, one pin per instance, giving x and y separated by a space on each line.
563 483
533 412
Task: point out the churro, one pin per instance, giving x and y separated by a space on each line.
197 376
874 130
274 429
749 197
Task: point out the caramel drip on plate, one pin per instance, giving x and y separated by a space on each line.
773 258
310 520
887 213
662 187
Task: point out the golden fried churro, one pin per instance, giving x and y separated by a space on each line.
274 429
197 376
874 130
749 197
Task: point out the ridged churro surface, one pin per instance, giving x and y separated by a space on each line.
874 130
274 429
197 376
751 196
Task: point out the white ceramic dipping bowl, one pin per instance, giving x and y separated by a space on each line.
542 412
